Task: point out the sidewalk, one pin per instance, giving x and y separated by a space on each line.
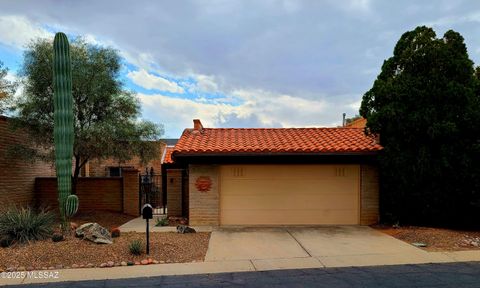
210 267
140 225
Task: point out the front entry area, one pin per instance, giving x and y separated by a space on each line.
289 194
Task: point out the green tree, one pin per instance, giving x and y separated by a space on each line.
106 116
7 89
425 107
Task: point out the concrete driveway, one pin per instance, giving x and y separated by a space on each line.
309 247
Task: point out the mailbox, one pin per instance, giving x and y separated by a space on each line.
147 211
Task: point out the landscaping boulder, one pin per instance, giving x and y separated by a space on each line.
95 233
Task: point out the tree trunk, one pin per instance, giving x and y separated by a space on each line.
76 172
78 167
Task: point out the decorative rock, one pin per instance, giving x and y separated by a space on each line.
75 266
30 268
90 265
67 267
123 263
45 268
21 268
51 268
110 263
94 232
117 264
80 266
155 262
150 260
103 265
115 232
10 269
59 266
162 262
144 262
137 263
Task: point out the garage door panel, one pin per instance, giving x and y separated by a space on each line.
289 194
291 202
293 217
275 187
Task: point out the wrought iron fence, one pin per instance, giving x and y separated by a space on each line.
151 192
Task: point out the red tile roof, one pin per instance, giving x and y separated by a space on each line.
275 140
168 155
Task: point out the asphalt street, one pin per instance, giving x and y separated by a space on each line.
465 274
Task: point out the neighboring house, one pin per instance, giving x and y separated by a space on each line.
357 123
112 167
278 176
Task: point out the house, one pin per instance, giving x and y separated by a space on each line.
112 168
357 123
277 176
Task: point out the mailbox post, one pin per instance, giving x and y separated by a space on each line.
147 214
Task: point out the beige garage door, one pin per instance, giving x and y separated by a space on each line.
289 194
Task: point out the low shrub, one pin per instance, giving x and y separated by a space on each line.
136 247
161 221
5 241
57 237
24 224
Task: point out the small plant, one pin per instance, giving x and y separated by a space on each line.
25 224
161 222
6 241
115 232
136 247
57 237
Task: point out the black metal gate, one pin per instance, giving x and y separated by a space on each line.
151 192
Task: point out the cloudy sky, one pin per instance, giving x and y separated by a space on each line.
258 63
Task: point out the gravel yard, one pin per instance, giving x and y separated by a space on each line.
106 219
76 252
437 239
164 247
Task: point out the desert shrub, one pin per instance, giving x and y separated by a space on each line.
5 241
57 237
161 221
23 224
136 247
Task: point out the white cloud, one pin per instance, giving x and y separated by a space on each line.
257 109
204 83
17 31
150 81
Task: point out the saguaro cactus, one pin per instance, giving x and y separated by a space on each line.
63 115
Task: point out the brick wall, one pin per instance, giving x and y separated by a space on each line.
93 193
174 192
130 192
17 177
204 206
369 195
